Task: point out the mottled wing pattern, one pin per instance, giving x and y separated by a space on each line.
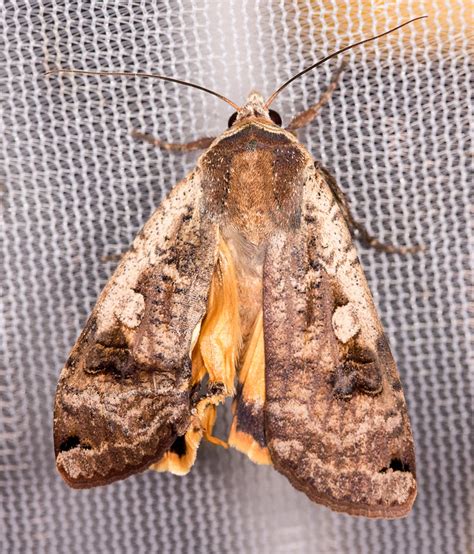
124 394
336 421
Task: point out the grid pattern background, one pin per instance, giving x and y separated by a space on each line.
76 188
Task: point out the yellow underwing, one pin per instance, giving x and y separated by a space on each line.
244 283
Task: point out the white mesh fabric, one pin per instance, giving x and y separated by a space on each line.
77 187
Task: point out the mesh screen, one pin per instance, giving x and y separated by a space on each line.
77 188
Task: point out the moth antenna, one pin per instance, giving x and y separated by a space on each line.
333 55
60 71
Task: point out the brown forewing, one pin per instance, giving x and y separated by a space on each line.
336 422
124 396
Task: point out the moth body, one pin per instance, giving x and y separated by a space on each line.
244 283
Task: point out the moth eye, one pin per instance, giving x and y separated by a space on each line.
275 117
232 119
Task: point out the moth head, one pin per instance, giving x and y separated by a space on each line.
255 107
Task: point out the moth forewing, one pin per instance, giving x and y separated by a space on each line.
329 370
123 397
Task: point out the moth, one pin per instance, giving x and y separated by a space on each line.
244 283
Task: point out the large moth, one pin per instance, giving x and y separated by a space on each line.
244 283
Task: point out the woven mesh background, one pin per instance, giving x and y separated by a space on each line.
77 188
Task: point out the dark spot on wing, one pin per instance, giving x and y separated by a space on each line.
179 447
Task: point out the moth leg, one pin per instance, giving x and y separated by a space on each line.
308 115
199 144
208 418
357 229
